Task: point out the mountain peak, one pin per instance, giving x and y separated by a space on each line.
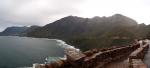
70 16
118 15
123 20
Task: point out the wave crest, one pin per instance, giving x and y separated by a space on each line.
65 45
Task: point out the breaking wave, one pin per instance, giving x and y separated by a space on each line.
65 45
61 43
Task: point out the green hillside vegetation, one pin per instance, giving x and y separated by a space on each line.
96 32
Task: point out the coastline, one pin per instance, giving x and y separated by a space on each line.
59 43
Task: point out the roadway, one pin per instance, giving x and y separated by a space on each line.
124 62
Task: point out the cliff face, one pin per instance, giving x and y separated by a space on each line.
88 33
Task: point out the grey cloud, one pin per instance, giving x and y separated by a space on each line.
35 12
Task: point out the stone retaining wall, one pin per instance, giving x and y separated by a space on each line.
96 58
136 57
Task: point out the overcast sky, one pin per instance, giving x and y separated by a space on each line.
41 12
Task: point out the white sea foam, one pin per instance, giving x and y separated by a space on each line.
62 44
65 45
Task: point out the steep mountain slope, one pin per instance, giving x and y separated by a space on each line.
30 29
67 26
88 33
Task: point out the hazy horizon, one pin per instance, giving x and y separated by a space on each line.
42 12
